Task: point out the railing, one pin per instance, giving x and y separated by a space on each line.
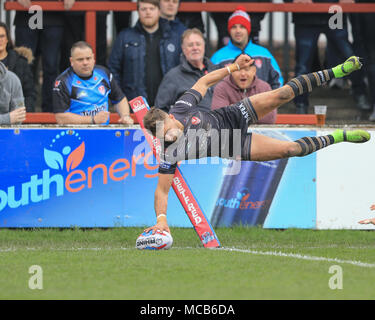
49 118
91 7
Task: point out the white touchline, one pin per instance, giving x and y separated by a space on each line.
300 256
264 253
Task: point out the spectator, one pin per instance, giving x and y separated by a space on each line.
239 85
18 60
193 66
47 39
12 107
363 25
82 92
221 19
142 55
168 12
307 28
239 28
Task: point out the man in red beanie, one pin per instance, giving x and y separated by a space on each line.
239 28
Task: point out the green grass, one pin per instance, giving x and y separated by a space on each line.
103 264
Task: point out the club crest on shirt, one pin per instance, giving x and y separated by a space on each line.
258 63
195 120
57 83
101 89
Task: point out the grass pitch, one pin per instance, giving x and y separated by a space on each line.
264 264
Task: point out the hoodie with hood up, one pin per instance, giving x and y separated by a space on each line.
11 96
227 92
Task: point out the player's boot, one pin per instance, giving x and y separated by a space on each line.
354 136
351 64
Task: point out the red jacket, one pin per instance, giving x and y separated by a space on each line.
227 92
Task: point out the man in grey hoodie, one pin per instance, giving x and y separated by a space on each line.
12 105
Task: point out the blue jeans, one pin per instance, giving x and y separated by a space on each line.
47 41
306 44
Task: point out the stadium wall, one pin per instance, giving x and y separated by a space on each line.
106 177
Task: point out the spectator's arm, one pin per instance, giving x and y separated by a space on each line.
72 118
17 99
17 109
275 78
115 59
5 118
28 89
123 110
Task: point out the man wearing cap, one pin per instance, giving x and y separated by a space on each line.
239 28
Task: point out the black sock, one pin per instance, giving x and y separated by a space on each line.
306 82
312 144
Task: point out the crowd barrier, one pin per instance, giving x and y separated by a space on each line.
106 177
49 118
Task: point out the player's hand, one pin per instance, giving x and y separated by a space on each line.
126 120
68 4
18 115
372 207
160 226
244 61
25 3
101 117
367 221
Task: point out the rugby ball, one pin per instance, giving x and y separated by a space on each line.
158 241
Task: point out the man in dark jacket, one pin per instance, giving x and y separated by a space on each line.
168 12
143 54
193 66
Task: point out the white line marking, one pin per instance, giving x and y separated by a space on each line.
264 253
302 257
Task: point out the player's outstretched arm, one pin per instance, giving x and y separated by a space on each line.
214 77
161 203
